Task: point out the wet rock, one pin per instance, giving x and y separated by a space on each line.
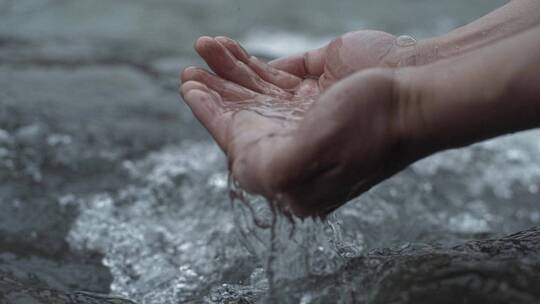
68 272
14 292
505 270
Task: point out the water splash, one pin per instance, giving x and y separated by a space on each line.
290 248
172 235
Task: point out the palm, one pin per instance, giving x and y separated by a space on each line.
253 109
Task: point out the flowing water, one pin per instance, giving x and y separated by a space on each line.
112 193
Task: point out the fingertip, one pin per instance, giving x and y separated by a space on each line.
195 94
234 47
226 42
187 73
203 44
199 102
223 39
191 85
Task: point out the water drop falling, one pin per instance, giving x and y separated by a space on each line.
405 40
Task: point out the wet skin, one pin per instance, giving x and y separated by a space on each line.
307 161
314 130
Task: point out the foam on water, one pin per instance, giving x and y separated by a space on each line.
173 236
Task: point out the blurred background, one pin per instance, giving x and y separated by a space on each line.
108 184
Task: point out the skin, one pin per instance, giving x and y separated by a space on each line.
472 97
510 19
267 153
312 131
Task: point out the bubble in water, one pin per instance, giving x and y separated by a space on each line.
405 40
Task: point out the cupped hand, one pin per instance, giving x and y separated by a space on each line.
295 130
350 53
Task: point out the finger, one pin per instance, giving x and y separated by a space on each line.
280 78
208 110
195 85
224 64
310 63
191 85
229 91
235 48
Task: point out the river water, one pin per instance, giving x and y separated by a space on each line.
111 192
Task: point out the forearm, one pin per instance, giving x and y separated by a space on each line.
512 18
484 93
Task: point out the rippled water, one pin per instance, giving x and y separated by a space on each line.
110 190
174 236
171 234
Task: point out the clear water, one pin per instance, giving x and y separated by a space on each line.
110 190
291 110
175 237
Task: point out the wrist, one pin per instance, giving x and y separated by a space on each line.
445 105
411 124
451 45
435 49
409 52
464 99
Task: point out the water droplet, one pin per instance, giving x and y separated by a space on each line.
405 40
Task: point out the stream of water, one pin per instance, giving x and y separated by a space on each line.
175 236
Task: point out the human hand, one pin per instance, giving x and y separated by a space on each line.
287 139
311 72
350 53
